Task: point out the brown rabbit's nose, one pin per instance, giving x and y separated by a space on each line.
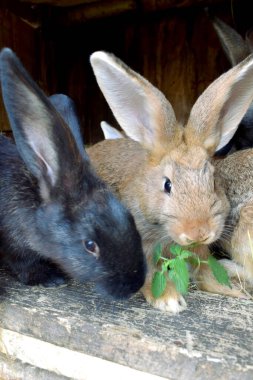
196 234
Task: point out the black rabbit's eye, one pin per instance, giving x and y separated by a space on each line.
91 247
167 185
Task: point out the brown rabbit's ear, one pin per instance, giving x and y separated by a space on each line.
235 48
110 133
218 111
142 111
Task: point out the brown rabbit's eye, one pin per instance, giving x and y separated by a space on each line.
167 185
91 247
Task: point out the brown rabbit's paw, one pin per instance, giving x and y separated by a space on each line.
207 282
170 304
239 274
233 269
171 301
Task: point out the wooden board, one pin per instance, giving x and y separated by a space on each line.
74 333
146 4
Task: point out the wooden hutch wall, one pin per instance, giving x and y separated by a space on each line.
171 43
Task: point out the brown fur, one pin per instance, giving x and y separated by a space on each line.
235 172
196 208
135 181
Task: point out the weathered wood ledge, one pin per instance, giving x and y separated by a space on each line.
72 333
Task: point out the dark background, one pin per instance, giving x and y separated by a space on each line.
172 43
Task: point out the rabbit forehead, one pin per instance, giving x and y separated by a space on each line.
194 157
183 175
184 169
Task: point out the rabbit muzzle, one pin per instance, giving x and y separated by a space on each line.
197 234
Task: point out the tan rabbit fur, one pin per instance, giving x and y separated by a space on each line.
163 173
235 172
236 49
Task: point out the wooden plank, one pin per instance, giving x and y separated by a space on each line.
62 361
67 15
91 11
62 3
146 4
68 12
11 369
211 339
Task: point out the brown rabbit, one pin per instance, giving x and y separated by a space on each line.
237 238
235 173
163 173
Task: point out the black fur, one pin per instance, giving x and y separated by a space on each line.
51 200
66 107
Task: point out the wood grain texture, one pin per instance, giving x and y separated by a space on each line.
63 361
23 37
176 49
211 339
11 369
146 4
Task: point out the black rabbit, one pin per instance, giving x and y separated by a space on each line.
58 219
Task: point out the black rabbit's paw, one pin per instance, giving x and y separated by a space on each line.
43 274
53 281
43 279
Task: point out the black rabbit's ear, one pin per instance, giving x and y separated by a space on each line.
43 139
67 109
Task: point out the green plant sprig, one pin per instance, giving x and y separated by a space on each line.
176 269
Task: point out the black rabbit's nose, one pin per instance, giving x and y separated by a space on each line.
124 285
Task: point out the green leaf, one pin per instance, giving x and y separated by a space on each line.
185 254
165 265
158 284
157 253
179 275
171 264
175 249
194 260
219 271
